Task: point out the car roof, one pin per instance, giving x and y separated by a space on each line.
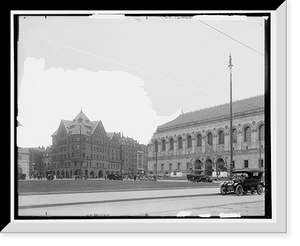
247 170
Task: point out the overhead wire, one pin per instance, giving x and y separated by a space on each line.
142 70
231 38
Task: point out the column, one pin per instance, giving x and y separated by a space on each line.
194 143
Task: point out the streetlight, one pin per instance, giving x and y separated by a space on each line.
231 135
156 149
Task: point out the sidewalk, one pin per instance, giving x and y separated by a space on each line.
49 200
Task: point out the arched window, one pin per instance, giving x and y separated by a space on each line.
156 146
247 134
234 136
199 140
221 137
163 143
171 144
210 138
189 142
261 132
180 143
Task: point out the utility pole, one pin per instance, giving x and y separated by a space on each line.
156 149
231 130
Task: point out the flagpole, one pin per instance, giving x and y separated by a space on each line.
231 130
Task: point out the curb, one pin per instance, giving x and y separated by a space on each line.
114 200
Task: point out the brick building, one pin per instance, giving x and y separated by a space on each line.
201 140
82 147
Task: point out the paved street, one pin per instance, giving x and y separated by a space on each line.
181 202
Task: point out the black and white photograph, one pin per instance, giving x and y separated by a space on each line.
124 115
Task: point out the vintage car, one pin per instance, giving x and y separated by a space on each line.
49 175
244 181
114 176
198 175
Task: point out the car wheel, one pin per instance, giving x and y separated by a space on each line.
239 190
223 190
259 189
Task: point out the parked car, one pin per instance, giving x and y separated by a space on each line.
114 177
199 175
244 181
49 175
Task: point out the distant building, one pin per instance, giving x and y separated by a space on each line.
129 147
23 163
36 167
201 140
143 157
47 159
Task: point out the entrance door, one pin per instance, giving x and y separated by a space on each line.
221 167
208 167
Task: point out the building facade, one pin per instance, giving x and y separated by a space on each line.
83 147
36 167
23 163
201 140
129 148
47 159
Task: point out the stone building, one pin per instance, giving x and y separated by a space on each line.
23 163
47 159
83 147
201 140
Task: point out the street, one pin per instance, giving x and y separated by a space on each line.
166 203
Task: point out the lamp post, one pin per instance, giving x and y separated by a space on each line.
231 135
156 149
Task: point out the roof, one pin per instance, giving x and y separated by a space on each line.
79 125
223 110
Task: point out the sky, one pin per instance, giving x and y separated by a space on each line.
132 73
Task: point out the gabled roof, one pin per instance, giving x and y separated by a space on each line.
217 111
110 134
80 124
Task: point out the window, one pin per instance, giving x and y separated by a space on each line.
199 140
180 143
221 137
261 163
234 136
163 142
245 163
247 134
189 141
171 144
210 138
261 133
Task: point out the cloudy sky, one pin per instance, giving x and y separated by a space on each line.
132 73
